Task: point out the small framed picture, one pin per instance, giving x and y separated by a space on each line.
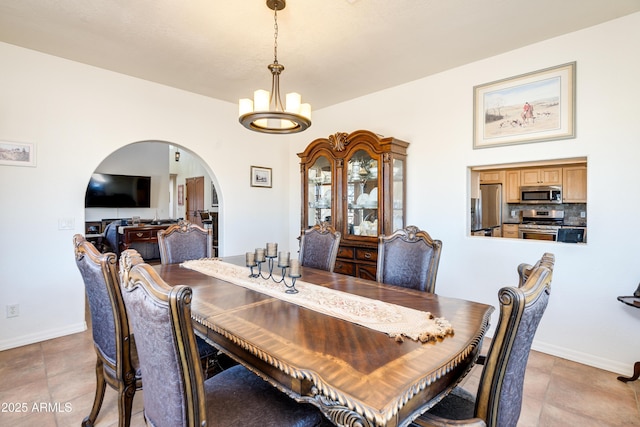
17 154
214 196
533 107
260 176
181 195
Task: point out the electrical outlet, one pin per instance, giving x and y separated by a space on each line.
583 214
13 310
513 213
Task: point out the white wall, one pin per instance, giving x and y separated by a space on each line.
77 115
584 321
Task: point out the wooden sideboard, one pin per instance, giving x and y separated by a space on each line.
138 235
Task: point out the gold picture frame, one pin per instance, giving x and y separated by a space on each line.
260 176
533 107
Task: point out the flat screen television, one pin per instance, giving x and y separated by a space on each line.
118 191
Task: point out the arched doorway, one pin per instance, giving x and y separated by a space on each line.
168 202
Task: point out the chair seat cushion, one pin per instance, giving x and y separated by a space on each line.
457 405
238 397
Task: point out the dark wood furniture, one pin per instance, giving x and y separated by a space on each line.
498 400
175 393
357 183
355 375
633 302
117 362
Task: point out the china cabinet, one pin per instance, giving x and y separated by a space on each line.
357 183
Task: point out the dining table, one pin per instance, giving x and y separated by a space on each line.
358 374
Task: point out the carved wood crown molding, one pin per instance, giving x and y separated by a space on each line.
339 141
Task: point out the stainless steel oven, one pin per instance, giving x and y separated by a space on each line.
540 224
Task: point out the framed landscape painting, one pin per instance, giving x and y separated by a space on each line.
17 154
260 176
532 107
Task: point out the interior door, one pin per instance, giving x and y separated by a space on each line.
195 199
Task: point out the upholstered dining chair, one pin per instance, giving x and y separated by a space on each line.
498 401
175 393
116 363
319 246
184 241
409 258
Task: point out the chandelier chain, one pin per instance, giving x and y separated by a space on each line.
275 35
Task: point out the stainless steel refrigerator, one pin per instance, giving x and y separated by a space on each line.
491 205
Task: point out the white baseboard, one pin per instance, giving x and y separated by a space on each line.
584 358
42 336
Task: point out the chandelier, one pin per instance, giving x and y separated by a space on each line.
266 113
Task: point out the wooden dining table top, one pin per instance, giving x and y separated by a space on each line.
357 376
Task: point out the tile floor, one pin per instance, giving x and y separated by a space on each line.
59 373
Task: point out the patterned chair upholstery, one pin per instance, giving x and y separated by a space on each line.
499 398
117 363
175 393
409 258
319 247
184 241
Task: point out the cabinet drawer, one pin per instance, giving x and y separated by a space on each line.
138 235
343 267
345 252
367 254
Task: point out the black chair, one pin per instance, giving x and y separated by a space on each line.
319 247
175 393
117 363
498 401
409 258
184 241
111 238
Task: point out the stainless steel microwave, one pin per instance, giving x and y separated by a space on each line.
538 195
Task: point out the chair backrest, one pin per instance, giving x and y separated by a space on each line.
184 241
319 247
499 397
161 319
109 322
111 236
409 258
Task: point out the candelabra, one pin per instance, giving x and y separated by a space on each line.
268 255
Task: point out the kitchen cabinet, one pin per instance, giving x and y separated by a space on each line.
357 183
492 177
541 176
512 186
510 230
574 184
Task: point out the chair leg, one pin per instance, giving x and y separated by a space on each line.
125 403
101 384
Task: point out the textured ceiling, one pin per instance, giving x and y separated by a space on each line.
333 50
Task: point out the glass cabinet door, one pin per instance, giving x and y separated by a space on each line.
362 195
319 192
398 194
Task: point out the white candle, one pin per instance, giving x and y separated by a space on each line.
272 249
294 271
251 259
283 259
260 254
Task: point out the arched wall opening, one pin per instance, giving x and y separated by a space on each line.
168 172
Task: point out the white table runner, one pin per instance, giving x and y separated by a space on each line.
394 320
